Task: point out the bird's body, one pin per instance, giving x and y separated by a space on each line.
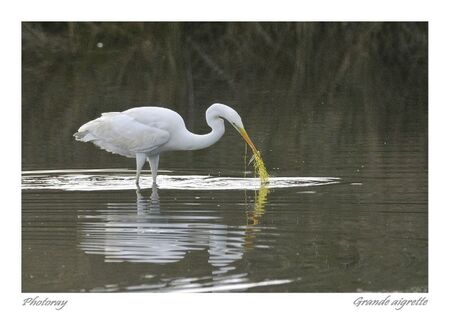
146 132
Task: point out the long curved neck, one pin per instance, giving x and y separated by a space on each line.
200 141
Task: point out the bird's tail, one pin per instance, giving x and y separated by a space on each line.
83 136
86 131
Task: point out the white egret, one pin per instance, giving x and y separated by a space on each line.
146 132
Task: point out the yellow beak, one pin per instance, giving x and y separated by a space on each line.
247 139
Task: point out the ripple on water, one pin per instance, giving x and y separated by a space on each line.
105 180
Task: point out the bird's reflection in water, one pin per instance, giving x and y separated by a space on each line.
142 204
151 234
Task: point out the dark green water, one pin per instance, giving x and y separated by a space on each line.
340 102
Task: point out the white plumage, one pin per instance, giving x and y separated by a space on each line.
125 133
145 132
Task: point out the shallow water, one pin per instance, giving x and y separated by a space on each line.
320 234
345 209
102 180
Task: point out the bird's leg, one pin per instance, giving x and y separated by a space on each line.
140 161
154 161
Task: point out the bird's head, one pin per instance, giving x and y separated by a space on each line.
225 112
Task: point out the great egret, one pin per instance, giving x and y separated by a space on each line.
146 132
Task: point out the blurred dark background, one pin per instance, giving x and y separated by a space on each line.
295 85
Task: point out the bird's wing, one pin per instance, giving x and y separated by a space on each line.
122 134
